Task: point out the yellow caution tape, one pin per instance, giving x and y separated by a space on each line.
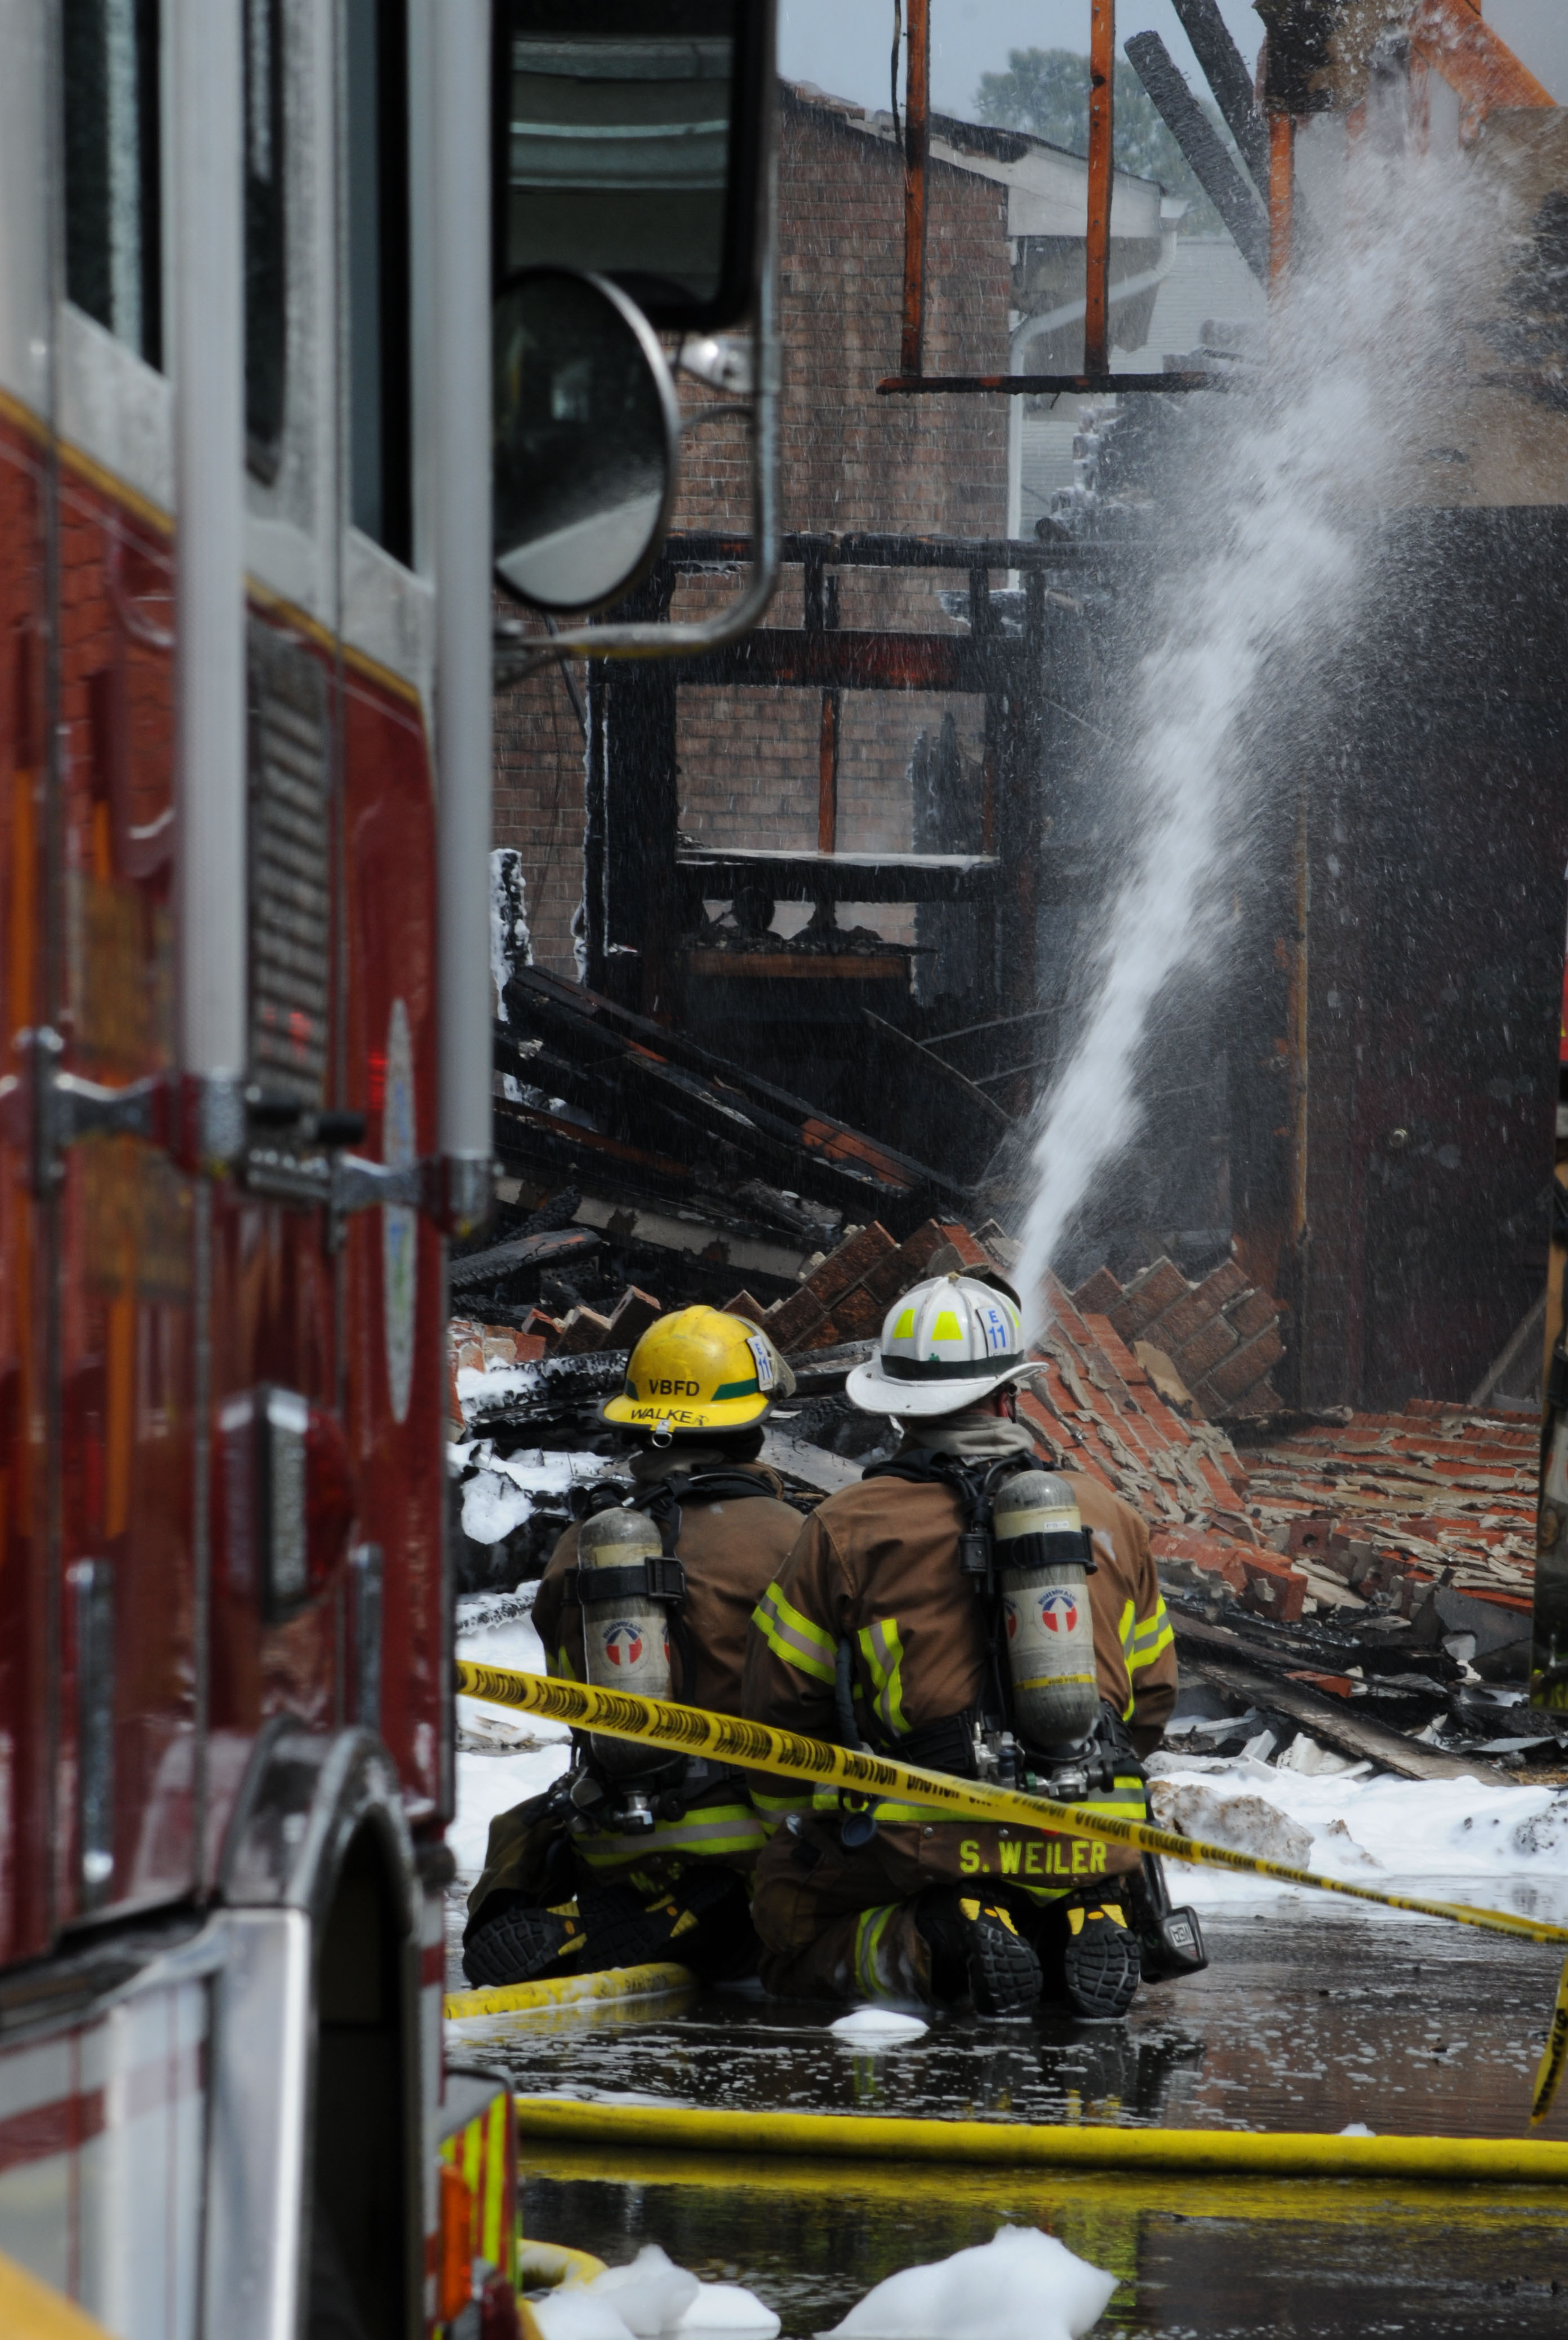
570 1990
754 1747
671 2128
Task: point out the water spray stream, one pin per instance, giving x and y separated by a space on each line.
1276 505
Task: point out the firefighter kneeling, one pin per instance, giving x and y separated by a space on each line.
965 1610
638 1855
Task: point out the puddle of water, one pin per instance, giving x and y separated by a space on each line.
1194 2261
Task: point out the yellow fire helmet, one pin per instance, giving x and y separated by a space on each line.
946 1344
699 1369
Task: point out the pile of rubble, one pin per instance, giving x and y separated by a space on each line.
1366 1581
1209 1346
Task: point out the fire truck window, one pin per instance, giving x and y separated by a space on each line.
381 500
114 257
266 328
616 143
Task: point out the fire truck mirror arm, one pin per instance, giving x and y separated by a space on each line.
514 661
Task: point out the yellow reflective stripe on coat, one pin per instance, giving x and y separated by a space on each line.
868 1940
710 1832
793 1637
882 1651
1126 1801
1152 1636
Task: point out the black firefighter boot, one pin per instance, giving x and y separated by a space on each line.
704 1922
975 1947
1090 1956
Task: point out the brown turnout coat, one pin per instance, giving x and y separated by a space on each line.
875 1566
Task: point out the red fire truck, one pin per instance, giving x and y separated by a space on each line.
246 640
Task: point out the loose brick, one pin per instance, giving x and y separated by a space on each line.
1252 1313
848 1264
795 1321
1153 1290
1273 1590
742 1304
1226 1283
583 1331
1182 1322
632 1314
1195 1361
1232 1379
1315 1537
1100 1295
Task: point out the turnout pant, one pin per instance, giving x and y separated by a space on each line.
839 1922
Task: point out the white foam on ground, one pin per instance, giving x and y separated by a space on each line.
651 2296
652 2299
1021 2286
877 2027
488 1785
1459 1838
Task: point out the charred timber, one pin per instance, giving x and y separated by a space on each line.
698 547
1225 71
1215 174
823 1156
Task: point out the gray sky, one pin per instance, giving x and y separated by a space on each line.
843 45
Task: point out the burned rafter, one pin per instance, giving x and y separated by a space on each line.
1216 174
660 1073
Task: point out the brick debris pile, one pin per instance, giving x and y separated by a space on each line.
1377 1509
1213 1343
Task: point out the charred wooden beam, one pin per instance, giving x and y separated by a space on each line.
1226 73
1215 174
807 877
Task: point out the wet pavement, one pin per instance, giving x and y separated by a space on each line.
1302 2260
1310 2017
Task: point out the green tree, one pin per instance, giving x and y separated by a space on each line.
1046 90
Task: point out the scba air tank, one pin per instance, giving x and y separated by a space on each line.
1043 1564
626 1632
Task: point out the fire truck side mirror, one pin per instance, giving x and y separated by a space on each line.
632 142
587 433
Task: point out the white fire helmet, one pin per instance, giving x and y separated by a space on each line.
947 1343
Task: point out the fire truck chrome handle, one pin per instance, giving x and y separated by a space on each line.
46 1110
438 1185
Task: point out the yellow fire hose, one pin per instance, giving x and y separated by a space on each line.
754 1747
618 1983
673 2128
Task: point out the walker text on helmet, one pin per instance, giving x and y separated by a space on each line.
699 1369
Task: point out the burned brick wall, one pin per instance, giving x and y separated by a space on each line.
849 459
